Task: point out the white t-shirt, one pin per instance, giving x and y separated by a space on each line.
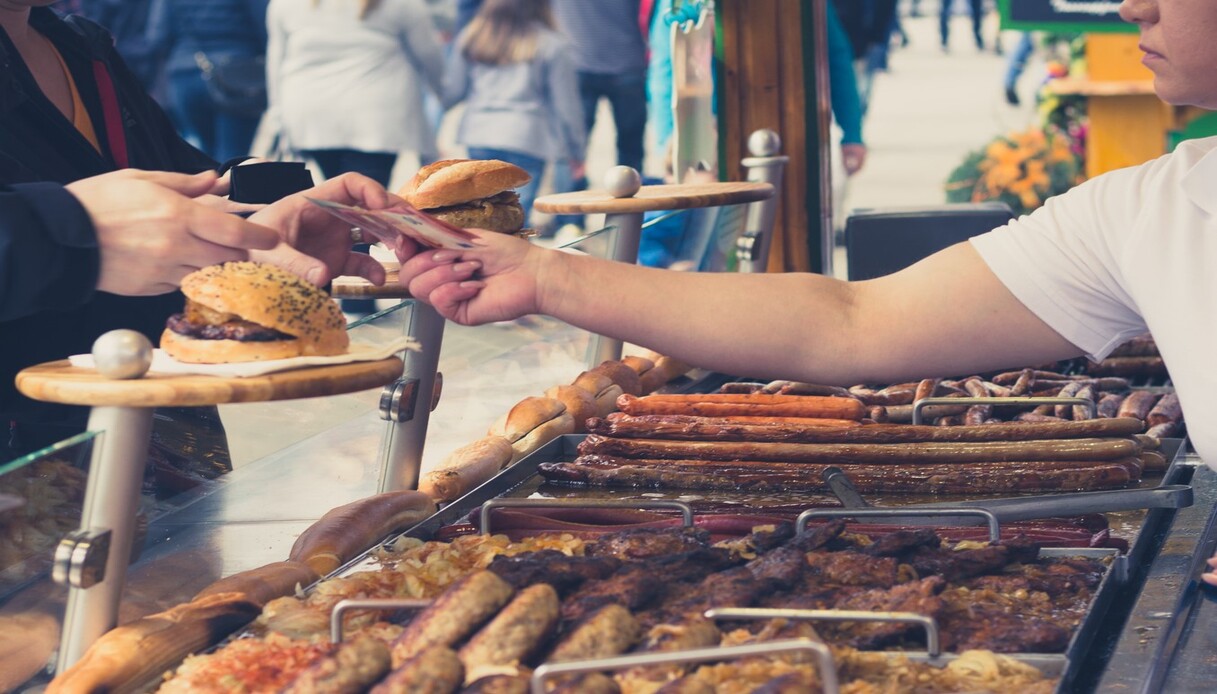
1129 251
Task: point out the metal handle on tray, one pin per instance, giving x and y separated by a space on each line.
382 604
686 511
989 516
933 645
827 668
1020 400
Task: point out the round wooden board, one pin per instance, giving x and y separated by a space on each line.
59 381
652 198
359 288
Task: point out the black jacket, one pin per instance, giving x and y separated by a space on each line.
49 308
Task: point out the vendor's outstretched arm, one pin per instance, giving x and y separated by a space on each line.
947 314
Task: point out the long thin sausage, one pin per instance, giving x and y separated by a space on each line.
746 404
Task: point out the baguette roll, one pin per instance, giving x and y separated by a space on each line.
342 533
466 468
543 434
528 414
265 583
622 375
602 388
580 404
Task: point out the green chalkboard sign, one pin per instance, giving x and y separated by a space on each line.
1063 16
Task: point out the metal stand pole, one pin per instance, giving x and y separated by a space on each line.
764 166
407 403
93 561
626 235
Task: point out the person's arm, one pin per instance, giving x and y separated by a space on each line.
421 44
456 76
946 314
48 251
563 93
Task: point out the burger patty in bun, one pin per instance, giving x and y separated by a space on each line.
500 213
245 311
470 193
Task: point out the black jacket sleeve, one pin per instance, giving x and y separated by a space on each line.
49 258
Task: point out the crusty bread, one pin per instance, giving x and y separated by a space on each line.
343 532
265 583
542 434
266 295
579 403
640 365
528 414
456 181
602 388
466 468
622 375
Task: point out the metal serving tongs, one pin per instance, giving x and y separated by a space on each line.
1025 507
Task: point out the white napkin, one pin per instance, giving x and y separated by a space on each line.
162 363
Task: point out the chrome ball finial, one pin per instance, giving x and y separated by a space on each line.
122 354
622 182
764 143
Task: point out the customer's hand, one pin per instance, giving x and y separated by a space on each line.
496 281
151 232
1210 577
316 245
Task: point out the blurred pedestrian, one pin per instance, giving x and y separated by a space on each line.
976 8
610 55
216 70
868 26
347 80
1015 65
515 73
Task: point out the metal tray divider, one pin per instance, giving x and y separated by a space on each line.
824 662
896 512
1019 400
933 643
381 604
686 511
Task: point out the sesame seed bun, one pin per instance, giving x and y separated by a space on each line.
458 181
269 296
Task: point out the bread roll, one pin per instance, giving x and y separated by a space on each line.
640 365
622 375
265 583
528 414
455 181
342 533
580 404
543 434
602 389
466 468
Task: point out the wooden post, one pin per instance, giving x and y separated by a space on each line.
765 83
1127 125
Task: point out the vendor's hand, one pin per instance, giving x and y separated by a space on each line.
1210 577
853 157
496 281
316 245
578 170
151 232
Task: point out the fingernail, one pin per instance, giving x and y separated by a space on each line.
467 266
314 275
445 256
472 284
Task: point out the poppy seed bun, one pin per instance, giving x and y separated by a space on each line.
458 181
268 296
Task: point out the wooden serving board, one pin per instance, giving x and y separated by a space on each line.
60 382
359 288
652 198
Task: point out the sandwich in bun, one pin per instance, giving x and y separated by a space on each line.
470 193
245 311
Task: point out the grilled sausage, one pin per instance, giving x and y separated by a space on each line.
516 632
1109 404
609 631
863 453
435 670
1137 404
454 615
1165 410
752 404
351 669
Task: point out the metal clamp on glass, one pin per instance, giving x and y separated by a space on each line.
824 662
933 644
80 558
686 511
890 513
1003 402
397 400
